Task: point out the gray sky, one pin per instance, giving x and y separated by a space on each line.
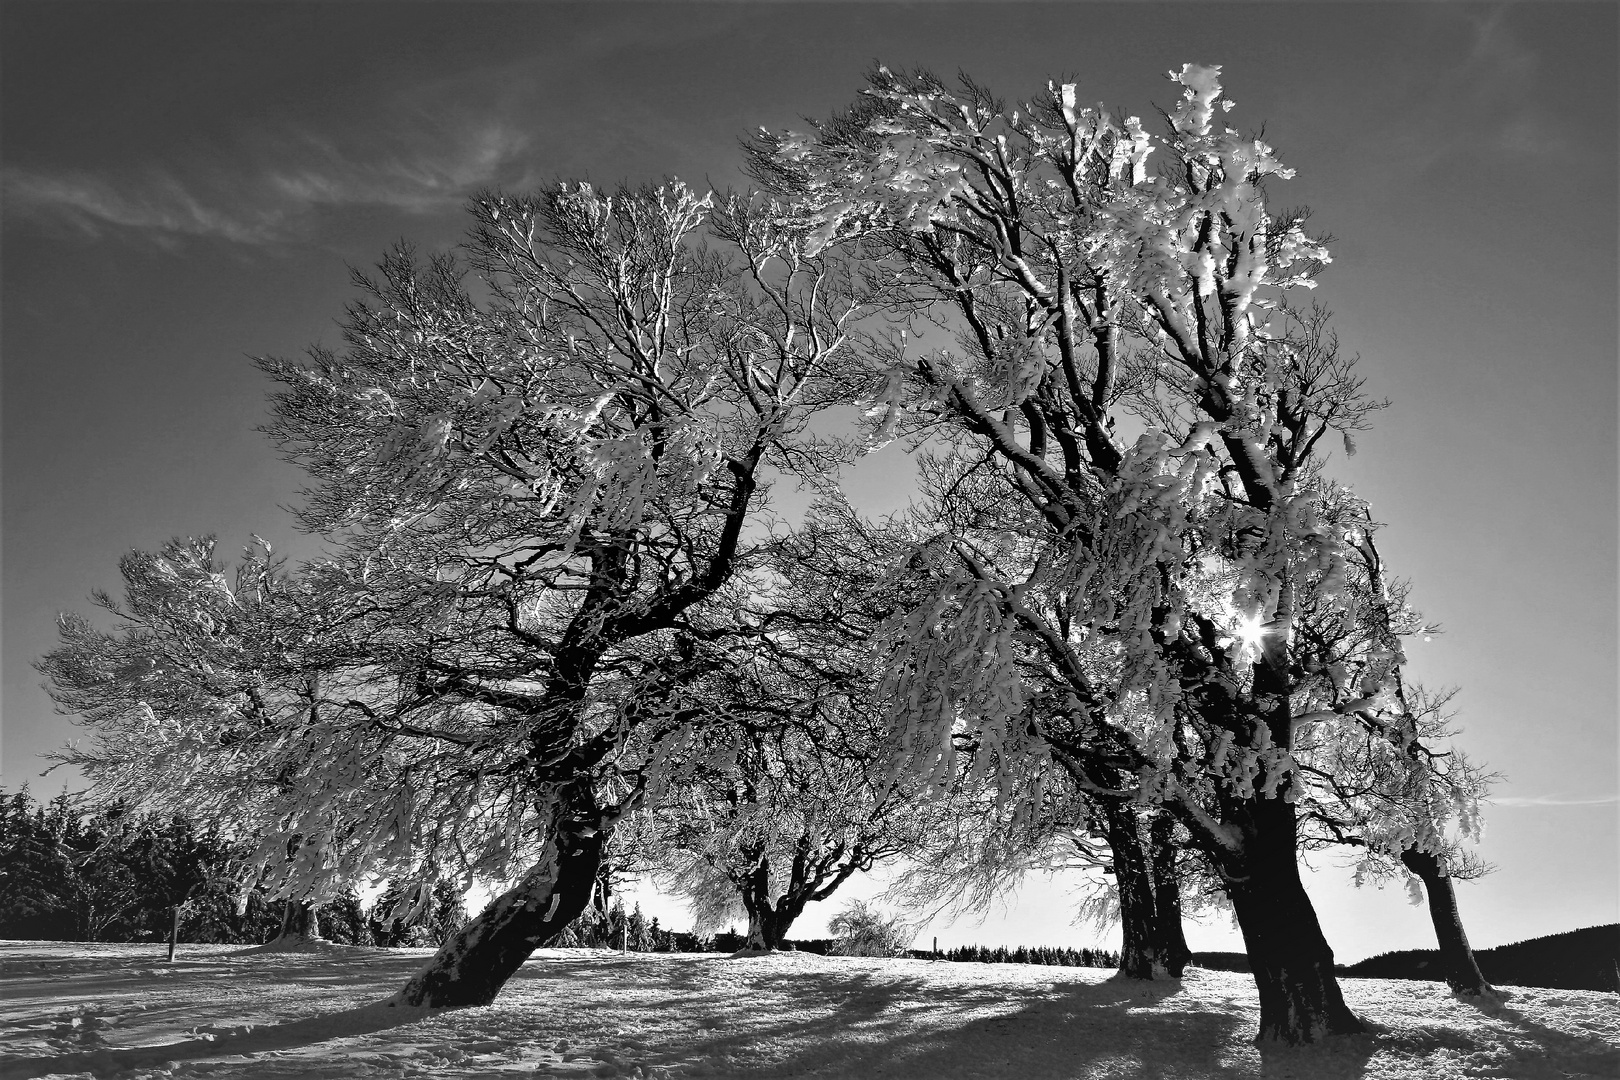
186 185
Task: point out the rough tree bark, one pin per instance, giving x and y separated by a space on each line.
471 967
768 926
1252 841
768 920
300 922
1170 937
1456 956
1133 880
1292 963
1153 945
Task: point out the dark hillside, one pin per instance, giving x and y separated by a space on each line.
1221 961
1586 959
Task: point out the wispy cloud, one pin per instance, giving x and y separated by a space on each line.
421 179
1532 137
272 189
1495 48
1504 69
158 203
413 145
1554 800
1495 77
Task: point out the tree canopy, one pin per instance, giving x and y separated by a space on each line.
1127 593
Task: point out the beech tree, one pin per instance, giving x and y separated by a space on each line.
980 853
533 497
1148 885
980 845
1156 580
787 794
782 803
1415 820
538 493
769 837
1387 783
190 640
847 576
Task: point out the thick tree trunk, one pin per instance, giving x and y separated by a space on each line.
757 940
1300 1000
300 924
1133 880
1153 945
766 930
1170 937
471 967
767 922
1456 957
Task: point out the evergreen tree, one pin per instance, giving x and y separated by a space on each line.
38 878
639 933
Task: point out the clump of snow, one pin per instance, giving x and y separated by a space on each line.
118 1010
301 945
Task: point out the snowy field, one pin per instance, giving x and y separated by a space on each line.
120 1010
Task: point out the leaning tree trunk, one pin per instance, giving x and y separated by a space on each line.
1170 939
1300 1000
1456 957
472 966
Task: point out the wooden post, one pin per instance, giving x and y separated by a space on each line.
174 933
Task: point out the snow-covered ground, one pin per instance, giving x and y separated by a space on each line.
120 1010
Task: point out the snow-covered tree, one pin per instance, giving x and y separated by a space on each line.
39 886
190 640
1410 810
533 491
1128 374
1144 861
1385 780
786 794
1130 867
861 929
780 807
977 847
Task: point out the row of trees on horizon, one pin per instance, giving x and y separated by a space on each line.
1129 623
115 875
112 875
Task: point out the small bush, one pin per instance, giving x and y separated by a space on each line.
864 931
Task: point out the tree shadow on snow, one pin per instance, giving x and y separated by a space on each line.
130 975
839 1024
856 1024
1069 1029
1340 1057
112 982
236 1039
1569 1051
